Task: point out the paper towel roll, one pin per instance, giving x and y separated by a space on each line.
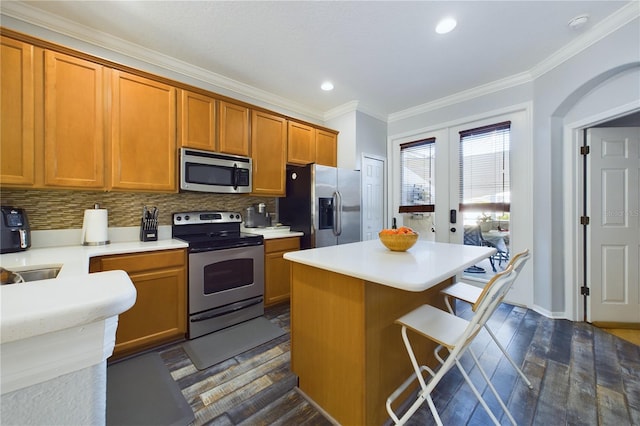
95 227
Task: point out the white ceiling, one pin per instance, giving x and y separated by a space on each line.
383 54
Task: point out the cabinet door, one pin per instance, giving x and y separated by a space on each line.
197 123
233 122
326 148
268 151
160 312
143 134
74 128
17 138
301 147
277 287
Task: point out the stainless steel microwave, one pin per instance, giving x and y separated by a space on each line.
205 171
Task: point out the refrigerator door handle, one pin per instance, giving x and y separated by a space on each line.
337 213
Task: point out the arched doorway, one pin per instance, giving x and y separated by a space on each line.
573 174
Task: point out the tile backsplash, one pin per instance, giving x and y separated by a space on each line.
65 209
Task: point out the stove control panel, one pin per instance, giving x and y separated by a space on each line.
195 218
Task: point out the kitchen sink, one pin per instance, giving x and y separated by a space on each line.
39 274
33 274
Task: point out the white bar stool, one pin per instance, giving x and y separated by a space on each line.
470 294
455 334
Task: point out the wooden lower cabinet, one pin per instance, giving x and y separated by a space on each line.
160 313
277 280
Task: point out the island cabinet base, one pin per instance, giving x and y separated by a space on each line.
345 348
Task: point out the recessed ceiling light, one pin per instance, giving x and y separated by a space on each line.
578 22
446 25
326 86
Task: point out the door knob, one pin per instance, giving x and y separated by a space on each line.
453 230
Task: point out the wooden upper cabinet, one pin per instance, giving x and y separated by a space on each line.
74 125
301 146
197 121
17 137
233 124
268 151
326 148
143 134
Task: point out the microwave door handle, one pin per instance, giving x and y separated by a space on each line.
235 176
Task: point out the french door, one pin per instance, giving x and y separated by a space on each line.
509 228
440 226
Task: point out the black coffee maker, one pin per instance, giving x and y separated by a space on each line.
14 230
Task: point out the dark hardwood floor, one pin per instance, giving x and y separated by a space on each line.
581 375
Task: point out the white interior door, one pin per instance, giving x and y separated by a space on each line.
372 197
613 253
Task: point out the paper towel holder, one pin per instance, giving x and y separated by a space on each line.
90 220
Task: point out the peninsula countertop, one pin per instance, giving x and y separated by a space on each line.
74 296
419 268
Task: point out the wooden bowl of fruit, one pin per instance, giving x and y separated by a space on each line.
401 239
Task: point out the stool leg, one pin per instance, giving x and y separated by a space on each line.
447 301
476 393
511 361
493 389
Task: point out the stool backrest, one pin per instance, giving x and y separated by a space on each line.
486 305
517 263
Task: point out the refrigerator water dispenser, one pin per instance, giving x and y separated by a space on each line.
326 213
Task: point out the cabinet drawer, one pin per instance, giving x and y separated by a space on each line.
281 244
139 262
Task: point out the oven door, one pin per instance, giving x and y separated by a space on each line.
223 277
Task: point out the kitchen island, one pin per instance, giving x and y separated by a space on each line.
345 347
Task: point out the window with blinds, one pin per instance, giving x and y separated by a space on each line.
484 169
417 173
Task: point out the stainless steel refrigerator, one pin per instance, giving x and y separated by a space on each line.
324 203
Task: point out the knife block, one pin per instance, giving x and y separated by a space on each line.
148 230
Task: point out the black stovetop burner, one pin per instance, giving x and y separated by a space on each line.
212 230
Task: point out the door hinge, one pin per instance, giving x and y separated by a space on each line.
584 220
585 150
584 291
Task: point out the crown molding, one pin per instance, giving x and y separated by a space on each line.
47 21
485 89
610 24
341 110
351 107
65 27
599 31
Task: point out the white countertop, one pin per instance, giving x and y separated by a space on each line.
74 297
75 259
272 232
419 268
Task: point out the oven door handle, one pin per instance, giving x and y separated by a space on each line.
236 307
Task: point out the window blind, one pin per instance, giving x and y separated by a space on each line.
484 168
417 172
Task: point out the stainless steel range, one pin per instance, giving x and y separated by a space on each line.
226 270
